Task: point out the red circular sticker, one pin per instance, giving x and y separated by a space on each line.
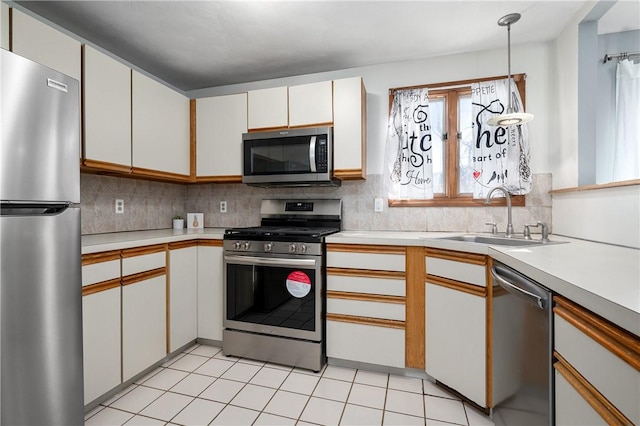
298 284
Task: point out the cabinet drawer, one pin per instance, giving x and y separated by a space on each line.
615 379
142 263
99 272
384 262
571 408
365 343
365 308
458 271
366 285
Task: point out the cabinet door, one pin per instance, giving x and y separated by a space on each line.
183 295
144 325
349 128
160 127
210 300
311 104
571 407
456 340
107 111
366 343
268 108
101 342
221 122
44 44
4 26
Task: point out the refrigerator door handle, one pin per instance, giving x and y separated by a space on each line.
32 209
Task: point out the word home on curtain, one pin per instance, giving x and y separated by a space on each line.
409 156
501 154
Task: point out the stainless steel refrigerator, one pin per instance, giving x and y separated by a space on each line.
40 280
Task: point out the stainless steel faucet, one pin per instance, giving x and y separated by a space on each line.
508 197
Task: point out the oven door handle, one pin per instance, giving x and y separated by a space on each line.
252 260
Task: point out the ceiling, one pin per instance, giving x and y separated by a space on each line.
199 44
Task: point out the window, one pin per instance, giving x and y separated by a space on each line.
452 143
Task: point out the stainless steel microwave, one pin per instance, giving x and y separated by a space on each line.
292 157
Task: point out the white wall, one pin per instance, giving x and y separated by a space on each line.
533 59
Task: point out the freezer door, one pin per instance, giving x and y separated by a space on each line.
41 317
40 132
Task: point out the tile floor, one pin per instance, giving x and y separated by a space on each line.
202 386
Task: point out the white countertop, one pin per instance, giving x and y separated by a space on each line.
120 240
601 277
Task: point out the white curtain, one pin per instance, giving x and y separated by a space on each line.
501 154
409 157
626 163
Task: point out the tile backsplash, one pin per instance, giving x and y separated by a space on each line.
151 205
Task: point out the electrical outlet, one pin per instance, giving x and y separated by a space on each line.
223 206
119 206
378 205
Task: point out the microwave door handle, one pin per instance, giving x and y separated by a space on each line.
252 260
312 154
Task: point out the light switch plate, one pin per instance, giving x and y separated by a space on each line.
378 205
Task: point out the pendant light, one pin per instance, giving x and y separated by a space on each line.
510 118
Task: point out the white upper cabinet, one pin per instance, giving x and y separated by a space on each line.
160 129
268 108
4 26
220 123
349 128
311 104
107 111
44 44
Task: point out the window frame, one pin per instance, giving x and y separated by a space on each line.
451 197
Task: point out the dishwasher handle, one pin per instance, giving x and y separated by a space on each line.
519 286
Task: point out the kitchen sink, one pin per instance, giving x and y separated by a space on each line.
494 240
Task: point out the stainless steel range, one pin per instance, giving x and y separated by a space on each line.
275 277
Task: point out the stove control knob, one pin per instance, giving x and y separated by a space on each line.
247 244
268 246
237 245
292 248
303 248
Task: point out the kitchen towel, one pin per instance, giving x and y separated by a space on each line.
500 154
409 158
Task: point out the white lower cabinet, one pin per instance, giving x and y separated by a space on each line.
144 325
456 340
366 343
571 407
183 296
101 342
210 298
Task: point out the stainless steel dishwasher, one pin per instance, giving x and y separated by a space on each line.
522 350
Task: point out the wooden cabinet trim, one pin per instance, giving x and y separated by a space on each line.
378 322
142 276
365 297
168 176
192 141
365 248
104 256
304 126
210 243
101 286
489 333
177 245
457 285
367 273
140 251
219 179
623 344
415 309
350 174
589 393
96 165
457 256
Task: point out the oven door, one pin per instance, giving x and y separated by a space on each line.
275 295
